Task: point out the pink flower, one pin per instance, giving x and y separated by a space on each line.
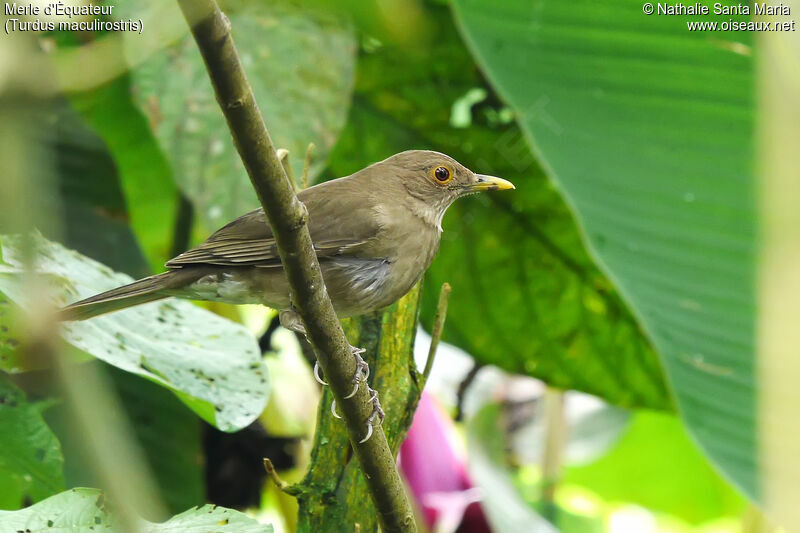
435 468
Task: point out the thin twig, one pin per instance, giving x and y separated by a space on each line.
461 392
438 326
306 166
273 474
288 219
283 155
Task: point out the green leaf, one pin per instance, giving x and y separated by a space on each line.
648 129
144 175
11 359
526 296
31 461
301 69
211 363
80 510
93 209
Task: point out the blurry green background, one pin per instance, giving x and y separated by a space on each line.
625 266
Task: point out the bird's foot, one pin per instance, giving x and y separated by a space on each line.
377 413
362 370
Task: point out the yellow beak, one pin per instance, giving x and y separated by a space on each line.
489 183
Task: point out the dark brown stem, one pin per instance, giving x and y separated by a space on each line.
288 218
461 392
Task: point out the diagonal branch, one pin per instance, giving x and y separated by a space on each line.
288 218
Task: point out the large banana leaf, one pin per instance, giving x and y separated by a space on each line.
648 129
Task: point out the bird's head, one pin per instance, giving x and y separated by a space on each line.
436 178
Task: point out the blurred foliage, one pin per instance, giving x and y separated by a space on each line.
505 508
643 125
90 201
303 99
167 433
526 296
150 195
31 460
80 510
655 464
663 121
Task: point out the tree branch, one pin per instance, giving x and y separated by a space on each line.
288 218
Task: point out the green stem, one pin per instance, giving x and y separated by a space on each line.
555 440
288 219
438 326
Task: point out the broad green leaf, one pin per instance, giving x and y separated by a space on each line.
526 296
648 129
301 69
30 461
212 364
81 510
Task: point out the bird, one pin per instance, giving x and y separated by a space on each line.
375 233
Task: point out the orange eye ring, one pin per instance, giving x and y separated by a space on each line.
442 175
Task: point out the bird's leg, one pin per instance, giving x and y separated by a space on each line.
292 321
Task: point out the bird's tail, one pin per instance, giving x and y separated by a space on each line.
142 291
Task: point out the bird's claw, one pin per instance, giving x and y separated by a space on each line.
362 370
317 376
377 412
362 374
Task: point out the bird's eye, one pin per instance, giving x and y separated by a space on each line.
442 174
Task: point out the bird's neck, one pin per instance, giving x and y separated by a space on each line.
430 214
428 211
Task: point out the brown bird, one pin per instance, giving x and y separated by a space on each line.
375 233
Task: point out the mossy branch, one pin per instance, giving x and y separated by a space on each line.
288 218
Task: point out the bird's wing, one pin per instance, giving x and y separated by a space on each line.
341 222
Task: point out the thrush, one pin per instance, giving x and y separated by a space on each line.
375 233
